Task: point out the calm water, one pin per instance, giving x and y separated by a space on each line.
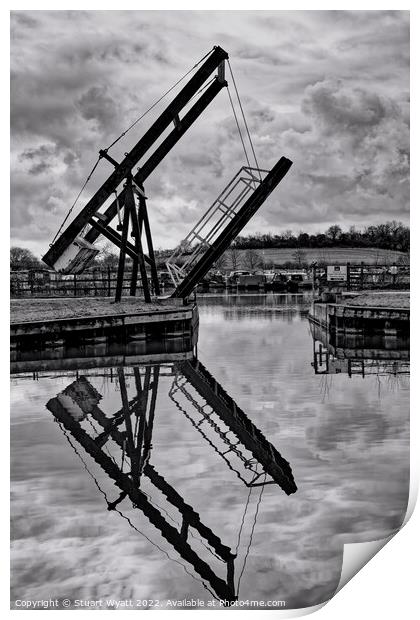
344 437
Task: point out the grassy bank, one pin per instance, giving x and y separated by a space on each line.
279 256
399 299
26 310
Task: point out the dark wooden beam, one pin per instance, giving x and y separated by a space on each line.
139 263
115 238
111 160
145 219
121 262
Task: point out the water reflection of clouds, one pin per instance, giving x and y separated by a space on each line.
349 454
349 450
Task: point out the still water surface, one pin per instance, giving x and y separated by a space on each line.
345 439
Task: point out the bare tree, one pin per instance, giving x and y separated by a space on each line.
109 254
22 258
233 255
220 263
300 257
252 259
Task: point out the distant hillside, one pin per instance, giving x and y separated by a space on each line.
279 256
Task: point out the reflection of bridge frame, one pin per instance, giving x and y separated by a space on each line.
131 430
358 354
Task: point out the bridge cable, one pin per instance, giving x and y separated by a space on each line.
239 129
76 199
158 101
251 536
243 519
245 123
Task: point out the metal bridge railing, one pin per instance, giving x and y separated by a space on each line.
207 229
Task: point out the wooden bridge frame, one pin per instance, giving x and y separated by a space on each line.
100 222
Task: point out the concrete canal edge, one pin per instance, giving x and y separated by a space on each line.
171 322
353 319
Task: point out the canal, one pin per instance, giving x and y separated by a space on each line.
237 473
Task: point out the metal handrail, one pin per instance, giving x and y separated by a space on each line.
245 180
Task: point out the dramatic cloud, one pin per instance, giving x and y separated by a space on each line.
329 89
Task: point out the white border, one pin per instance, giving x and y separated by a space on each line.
387 586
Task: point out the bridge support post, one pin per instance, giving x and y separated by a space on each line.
145 218
121 262
139 262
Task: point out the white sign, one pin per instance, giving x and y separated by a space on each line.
336 273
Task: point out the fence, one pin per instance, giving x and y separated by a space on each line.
102 283
46 283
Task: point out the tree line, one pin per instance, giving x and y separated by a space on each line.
388 236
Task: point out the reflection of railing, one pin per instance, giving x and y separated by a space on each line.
358 354
219 402
180 387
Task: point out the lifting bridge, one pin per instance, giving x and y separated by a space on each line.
122 195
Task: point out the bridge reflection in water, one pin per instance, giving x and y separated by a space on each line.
359 354
121 444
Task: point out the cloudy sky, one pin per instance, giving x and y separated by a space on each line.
328 89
